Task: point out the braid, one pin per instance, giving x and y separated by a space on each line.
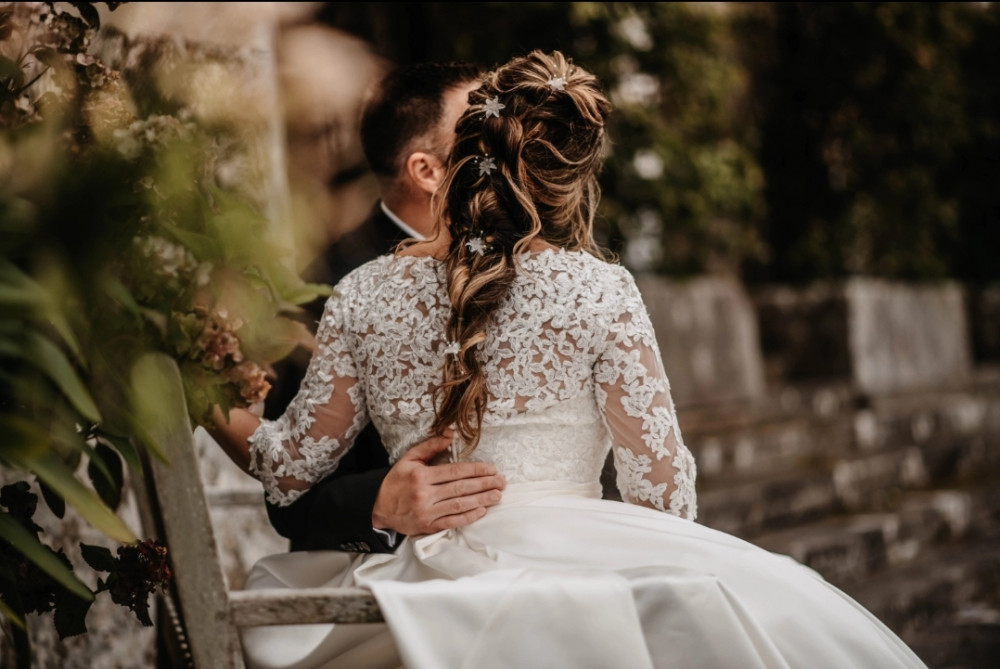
524 166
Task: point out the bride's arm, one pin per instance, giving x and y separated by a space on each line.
305 444
654 466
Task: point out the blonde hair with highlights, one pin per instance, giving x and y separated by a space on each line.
547 145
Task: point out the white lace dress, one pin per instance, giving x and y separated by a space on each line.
553 576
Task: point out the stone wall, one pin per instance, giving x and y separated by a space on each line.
885 337
708 339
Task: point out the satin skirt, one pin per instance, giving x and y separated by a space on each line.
555 576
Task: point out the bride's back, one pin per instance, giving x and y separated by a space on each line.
541 420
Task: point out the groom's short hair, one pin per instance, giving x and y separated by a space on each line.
405 107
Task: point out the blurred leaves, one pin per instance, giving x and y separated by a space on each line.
128 224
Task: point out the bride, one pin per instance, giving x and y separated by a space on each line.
511 333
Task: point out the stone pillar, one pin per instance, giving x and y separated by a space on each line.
885 337
907 337
707 332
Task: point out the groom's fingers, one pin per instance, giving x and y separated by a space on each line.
426 450
459 520
461 504
417 497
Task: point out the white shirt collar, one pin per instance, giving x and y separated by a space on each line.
399 223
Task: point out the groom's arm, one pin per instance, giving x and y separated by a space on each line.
336 513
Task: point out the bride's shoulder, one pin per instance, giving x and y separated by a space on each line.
585 266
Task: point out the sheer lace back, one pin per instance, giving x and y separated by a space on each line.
571 363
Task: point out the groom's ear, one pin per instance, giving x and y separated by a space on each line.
425 170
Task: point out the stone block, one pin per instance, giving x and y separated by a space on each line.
907 337
984 321
748 506
707 332
803 332
886 337
763 445
840 548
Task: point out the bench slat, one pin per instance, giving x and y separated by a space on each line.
279 606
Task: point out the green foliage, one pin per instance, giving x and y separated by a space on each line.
130 222
870 124
781 141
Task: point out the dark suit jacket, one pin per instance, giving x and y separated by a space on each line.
336 513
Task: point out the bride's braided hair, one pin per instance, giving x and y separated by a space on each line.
518 172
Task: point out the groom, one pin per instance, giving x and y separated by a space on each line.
407 129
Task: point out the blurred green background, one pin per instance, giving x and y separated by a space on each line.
780 142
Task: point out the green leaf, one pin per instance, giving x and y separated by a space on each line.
54 472
20 292
21 504
10 615
70 615
159 403
88 13
117 291
98 557
105 471
47 55
126 449
9 69
42 353
29 546
23 439
56 504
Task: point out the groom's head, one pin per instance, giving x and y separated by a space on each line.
408 127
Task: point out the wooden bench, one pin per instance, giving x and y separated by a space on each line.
199 618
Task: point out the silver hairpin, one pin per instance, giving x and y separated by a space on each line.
452 348
493 107
557 83
486 165
476 245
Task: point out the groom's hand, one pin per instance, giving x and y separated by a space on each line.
419 498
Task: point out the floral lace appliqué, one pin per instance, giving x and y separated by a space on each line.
571 363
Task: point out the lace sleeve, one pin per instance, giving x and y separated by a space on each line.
305 444
654 466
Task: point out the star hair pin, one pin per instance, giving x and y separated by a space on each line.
477 245
487 165
493 107
557 83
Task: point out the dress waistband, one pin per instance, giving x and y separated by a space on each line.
524 493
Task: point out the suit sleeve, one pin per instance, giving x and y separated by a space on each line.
336 513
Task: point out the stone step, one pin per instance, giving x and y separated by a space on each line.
750 505
850 547
956 432
935 589
969 639
735 450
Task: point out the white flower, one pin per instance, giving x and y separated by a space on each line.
476 245
493 107
452 348
487 165
557 83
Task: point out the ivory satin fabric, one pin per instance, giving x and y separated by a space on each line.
554 576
